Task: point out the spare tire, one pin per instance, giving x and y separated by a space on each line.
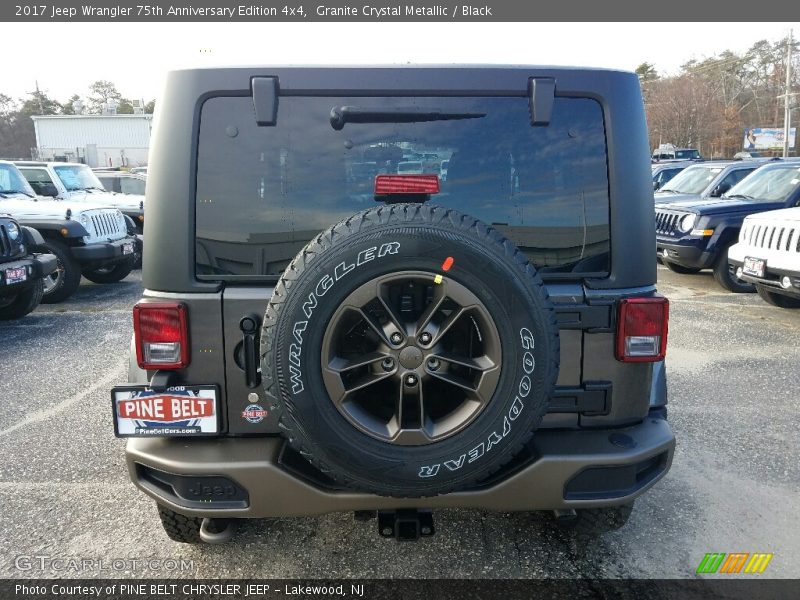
409 351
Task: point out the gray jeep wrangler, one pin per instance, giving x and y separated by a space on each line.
393 290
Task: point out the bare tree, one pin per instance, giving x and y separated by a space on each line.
100 93
711 101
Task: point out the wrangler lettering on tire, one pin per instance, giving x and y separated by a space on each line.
413 366
323 285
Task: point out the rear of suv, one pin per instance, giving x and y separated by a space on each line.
325 330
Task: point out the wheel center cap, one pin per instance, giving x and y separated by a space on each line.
410 357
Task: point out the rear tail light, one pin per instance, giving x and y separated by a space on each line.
642 329
161 335
406 184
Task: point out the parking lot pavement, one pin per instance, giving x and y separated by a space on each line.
733 382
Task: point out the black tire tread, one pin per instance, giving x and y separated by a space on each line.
25 302
72 272
178 527
383 215
776 299
118 273
722 277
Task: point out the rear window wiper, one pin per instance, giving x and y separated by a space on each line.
354 114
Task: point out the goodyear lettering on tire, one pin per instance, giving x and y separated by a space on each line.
514 411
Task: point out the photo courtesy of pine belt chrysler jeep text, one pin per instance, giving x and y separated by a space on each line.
394 290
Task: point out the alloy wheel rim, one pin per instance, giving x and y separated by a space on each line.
53 279
410 361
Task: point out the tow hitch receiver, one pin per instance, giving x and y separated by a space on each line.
406 524
217 531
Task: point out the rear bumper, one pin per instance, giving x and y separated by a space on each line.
109 252
569 469
36 266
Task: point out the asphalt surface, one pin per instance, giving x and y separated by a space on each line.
734 485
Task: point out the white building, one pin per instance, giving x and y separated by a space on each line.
97 140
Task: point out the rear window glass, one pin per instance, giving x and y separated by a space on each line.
263 192
36 175
132 185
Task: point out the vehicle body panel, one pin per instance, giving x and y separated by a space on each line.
254 464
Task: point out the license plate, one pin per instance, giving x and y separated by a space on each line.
127 248
754 266
17 275
190 410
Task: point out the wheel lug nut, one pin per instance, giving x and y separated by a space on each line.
396 337
387 364
425 337
411 380
433 364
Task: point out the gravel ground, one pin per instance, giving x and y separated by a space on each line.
733 487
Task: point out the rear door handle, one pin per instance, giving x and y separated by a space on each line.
249 325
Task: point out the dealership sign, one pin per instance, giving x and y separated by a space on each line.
766 138
140 411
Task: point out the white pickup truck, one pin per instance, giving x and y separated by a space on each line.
87 238
768 255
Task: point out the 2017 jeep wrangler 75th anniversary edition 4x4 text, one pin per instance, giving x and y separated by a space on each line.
393 290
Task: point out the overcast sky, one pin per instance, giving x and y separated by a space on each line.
66 58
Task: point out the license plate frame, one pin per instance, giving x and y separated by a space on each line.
753 266
152 414
14 275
